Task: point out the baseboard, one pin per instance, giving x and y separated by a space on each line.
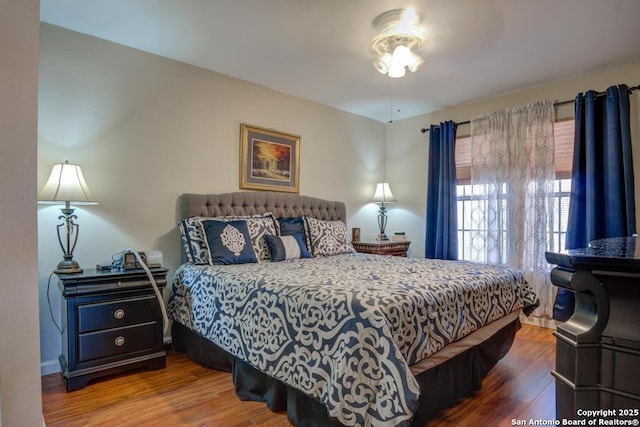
543 322
49 367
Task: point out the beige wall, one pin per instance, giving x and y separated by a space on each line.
20 399
146 129
407 148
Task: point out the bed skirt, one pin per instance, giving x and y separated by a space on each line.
442 386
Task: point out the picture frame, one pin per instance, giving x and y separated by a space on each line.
269 159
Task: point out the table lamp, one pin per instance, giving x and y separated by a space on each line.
381 196
66 185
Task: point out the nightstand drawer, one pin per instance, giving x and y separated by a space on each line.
114 342
116 313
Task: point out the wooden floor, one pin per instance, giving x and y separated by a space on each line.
185 394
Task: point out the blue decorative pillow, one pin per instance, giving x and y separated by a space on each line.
293 226
287 247
229 242
195 244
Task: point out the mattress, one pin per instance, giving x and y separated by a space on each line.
348 329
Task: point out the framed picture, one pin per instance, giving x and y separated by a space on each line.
269 160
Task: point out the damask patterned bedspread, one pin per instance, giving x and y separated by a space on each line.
345 329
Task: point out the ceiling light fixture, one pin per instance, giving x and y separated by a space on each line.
397 43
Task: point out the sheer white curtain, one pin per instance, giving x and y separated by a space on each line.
512 177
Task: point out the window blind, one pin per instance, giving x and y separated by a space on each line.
563 132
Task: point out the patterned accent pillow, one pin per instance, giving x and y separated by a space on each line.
287 247
327 237
195 243
229 242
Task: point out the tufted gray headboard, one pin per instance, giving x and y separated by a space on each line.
282 205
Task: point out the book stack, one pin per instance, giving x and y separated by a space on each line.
398 236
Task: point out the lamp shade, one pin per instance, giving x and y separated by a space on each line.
66 184
383 194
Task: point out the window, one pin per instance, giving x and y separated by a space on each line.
563 136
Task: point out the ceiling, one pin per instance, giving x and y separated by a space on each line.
320 49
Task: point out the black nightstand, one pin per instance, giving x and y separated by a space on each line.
112 323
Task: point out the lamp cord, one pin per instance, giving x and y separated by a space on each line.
50 308
165 318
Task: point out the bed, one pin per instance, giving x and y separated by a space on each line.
334 337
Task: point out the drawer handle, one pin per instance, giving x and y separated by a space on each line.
119 341
119 313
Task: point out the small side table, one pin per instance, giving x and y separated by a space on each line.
112 322
387 247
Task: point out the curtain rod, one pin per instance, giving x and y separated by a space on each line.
555 104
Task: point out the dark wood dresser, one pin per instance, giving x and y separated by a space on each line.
112 322
598 348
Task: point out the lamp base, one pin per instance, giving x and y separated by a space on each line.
382 237
68 266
